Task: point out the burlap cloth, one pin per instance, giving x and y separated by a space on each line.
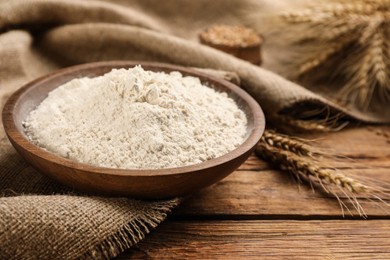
41 219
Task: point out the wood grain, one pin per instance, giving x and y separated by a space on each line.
268 195
327 239
260 213
258 191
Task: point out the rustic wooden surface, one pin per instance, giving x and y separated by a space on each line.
261 213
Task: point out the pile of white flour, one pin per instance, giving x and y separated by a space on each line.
137 119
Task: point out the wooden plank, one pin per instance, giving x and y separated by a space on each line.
337 239
356 148
259 191
261 204
269 194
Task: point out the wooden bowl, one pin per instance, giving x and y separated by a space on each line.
144 184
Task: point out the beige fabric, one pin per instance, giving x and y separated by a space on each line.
71 32
41 219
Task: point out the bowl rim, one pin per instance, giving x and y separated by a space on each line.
16 136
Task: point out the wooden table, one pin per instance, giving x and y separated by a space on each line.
258 212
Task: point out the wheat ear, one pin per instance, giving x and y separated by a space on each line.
353 55
295 156
286 143
369 80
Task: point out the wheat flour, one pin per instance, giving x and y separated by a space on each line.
137 119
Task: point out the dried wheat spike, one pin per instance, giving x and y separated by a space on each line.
276 149
303 167
286 143
329 180
345 42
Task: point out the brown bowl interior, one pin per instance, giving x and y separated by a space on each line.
144 184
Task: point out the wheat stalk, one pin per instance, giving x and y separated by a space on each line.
305 168
351 53
313 62
295 156
370 78
286 143
338 9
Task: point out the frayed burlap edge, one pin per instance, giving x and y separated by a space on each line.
131 233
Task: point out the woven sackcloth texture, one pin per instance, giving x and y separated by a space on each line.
41 219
